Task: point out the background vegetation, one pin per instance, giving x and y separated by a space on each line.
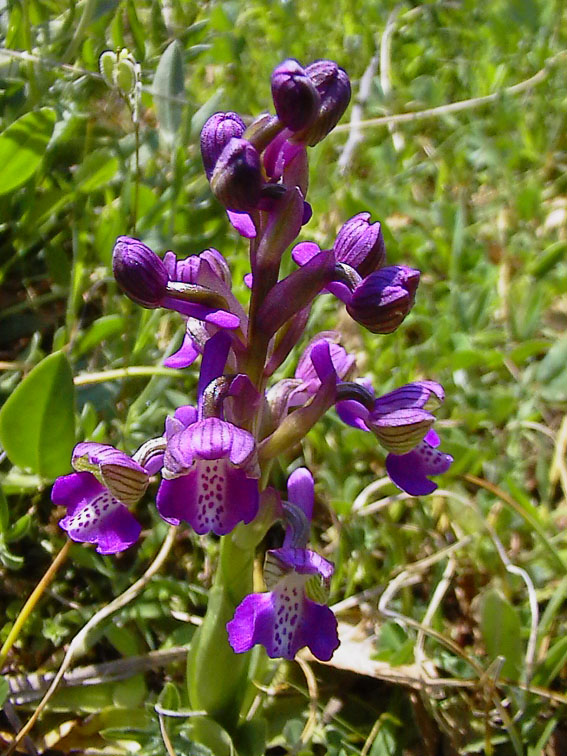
430 593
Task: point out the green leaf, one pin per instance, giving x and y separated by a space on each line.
210 734
501 631
37 422
550 256
168 88
96 171
103 328
22 147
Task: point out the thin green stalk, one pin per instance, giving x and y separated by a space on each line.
29 606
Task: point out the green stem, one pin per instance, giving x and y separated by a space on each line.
29 606
216 676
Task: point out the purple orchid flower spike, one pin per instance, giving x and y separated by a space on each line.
144 277
210 466
97 495
286 618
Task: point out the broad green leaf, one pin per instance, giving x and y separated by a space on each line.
96 171
37 422
22 146
501 631
169 89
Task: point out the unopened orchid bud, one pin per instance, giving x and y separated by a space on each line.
383 299
216 134
296 98
333 85
360 244
237 178
140 273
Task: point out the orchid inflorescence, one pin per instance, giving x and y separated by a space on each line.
215 457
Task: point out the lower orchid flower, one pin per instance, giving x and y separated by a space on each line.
286 618
97 495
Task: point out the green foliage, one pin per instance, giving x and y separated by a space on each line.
37 422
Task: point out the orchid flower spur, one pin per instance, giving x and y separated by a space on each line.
285 619
97 497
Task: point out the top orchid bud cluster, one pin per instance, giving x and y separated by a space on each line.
213 455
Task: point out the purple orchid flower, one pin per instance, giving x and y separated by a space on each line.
285 619
208 269
342 361
97 495
401 420
210 466
144 277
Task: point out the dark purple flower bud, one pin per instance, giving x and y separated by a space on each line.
360 244
333 85
216 134
382 300
140 273
296 98
237 179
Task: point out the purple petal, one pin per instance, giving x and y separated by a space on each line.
420 394
94 515
283 621
304 251
187 415
300 490
409 471
70 490
307 213
214 360
253 623
342 360
304 561
103 454
319 630
213 496
341 291
243 223
185 355
201 312
353 413
209 439
249 280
